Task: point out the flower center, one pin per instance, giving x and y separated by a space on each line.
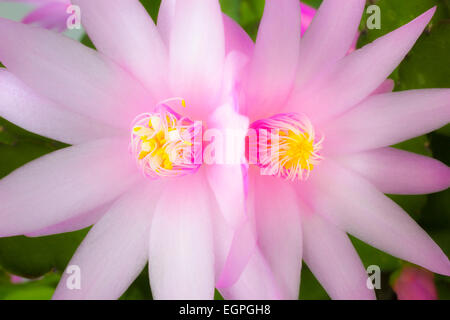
287 146
166 144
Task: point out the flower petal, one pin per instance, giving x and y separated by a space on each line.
52 16
329 36
279 231
386 119
354 77
256 281
63 184
123 30
181 256
166 16
197 53
19 105
330 255
115 250
76 77
359 208
78 222
236 39
399 172
275 57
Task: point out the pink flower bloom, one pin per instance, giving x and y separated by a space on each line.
415 284
49 14
328 163
96 101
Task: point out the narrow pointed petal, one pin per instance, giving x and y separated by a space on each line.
124 31
275 57
330 255
399 172
64 184
19 105
166 16
363 211
79 222
236 39
76 77
387 119
51 16
329 37
197 53
256 281
115 250
354 77
181 255
387 86
279 231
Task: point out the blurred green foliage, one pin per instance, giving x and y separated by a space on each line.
426 66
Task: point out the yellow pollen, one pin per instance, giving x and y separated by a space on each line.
296 150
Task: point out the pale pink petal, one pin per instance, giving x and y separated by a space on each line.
19 105
277 217
387 86
256 281
236 39
71 74
166 16
115 250
329 36
344 84
357 207
64 184
399 172
275 57
123 30
241 251
225 173
181 255
386 119
330 255
197 53
308 14
51 16
76 223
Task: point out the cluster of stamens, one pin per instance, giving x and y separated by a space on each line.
165 144
287 146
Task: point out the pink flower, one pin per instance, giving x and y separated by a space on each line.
415 284
328 163
96 101
49 14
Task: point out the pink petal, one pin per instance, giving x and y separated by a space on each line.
256 281
226 175
330 255
50 16
359 208
125 32
166 16
236 39
64 184
399 172
307 16
115 250
181 256
197 53
387 86
275 57
76 77
353 78
329 36
24 108
76 223
279 231
386 119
